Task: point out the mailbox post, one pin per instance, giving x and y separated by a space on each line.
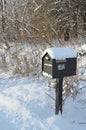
58 63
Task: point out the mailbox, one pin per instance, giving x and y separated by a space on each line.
59 62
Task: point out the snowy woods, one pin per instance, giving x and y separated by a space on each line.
28 27
42 19
33 22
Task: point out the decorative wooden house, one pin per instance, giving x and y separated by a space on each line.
59 62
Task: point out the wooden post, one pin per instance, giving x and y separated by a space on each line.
58 103
60 93
57 97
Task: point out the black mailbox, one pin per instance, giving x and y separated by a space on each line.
59 62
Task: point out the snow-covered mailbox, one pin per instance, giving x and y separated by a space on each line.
59 62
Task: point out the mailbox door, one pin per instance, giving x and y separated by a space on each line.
65 68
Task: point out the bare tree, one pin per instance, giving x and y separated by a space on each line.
4 18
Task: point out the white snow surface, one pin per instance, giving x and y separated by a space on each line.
60 53
24 105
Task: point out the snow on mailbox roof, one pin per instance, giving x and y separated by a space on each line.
60 53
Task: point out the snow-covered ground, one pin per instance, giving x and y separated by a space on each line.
25 104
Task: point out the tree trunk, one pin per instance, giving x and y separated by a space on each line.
84 22
3 15
66 34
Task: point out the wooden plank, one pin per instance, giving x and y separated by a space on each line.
60 61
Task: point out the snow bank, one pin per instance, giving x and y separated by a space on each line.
26 106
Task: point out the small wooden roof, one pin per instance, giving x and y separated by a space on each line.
60 53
